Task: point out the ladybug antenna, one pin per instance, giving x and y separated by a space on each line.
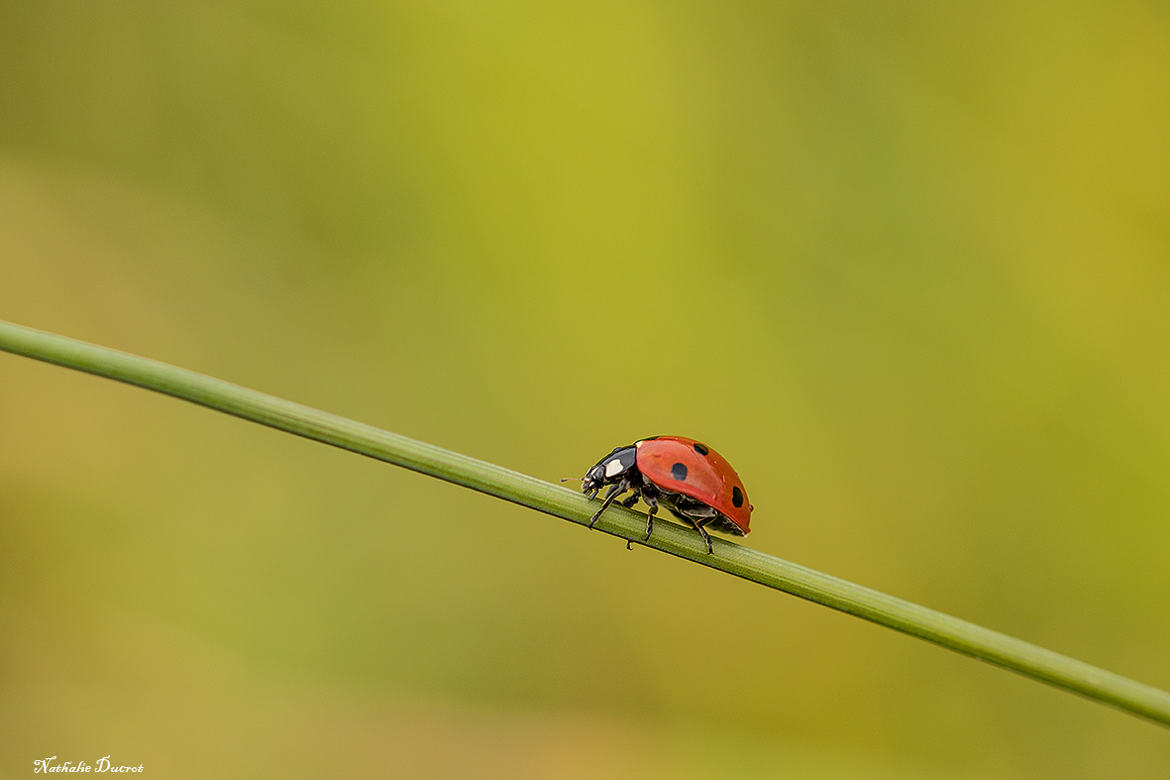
579 479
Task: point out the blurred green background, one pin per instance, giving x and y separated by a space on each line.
907 265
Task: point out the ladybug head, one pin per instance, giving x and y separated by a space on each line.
609 469
594 479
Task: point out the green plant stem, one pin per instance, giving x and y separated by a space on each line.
950 632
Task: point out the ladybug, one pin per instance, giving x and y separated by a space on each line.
692 480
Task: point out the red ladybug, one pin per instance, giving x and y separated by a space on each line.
694 482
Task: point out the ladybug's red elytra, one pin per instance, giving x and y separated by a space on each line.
692 480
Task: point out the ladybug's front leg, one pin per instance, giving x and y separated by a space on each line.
614 491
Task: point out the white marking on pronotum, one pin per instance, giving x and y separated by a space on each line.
613 467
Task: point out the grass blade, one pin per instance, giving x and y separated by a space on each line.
931 625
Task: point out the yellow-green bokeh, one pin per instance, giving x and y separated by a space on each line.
907 265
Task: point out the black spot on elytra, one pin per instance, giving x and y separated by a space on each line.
679 471
701 449
737 497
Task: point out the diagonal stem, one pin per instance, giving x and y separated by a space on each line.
950 632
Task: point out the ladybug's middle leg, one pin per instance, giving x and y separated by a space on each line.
652 502
648 495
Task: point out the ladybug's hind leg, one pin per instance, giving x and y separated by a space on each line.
697 514
703 533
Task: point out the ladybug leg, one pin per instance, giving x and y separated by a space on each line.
695 513
703 533
620 487
652 502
